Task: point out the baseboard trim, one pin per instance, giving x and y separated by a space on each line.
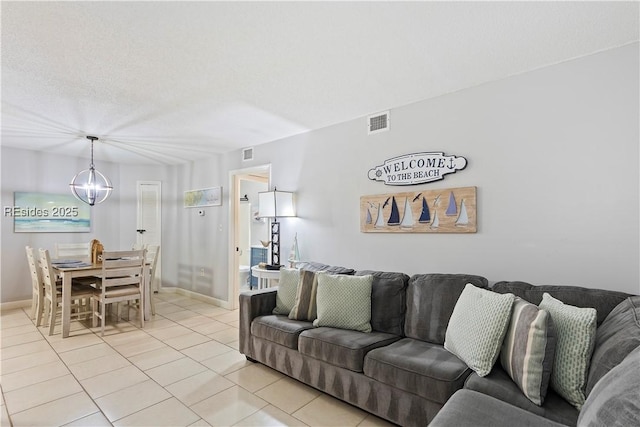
15 304
211 300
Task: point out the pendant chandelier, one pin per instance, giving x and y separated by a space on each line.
89 185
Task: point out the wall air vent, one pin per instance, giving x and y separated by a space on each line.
247 154
378 122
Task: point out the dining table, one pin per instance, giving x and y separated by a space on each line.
82 268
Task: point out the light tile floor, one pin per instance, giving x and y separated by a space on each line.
182 369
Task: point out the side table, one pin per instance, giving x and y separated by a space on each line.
264 276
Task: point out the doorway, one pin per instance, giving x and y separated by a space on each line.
149 221
246 229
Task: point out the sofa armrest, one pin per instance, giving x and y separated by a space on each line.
468 408
253 304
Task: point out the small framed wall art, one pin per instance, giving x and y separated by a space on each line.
204 197
447 210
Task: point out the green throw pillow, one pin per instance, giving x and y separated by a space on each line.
344 302
576 329
287 288
528 349
477 327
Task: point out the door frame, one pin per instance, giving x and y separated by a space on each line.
158 277
234 205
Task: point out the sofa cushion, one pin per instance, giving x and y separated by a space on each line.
279 329
576 329
341 347
616 337
418 367
287 290
499 385
344 302
615 399
305 307
388 301
473 409
430 302
528 349
603 301
477 327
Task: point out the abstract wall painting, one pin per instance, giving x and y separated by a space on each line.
203 197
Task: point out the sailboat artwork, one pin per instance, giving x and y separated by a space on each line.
425 215
380 219
436 221
407 216
394 217
420 211
452 209
463 218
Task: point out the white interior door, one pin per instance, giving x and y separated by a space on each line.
149 224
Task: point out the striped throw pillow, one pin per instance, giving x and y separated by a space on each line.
576 329
528 349
305 306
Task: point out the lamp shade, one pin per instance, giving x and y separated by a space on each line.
276 204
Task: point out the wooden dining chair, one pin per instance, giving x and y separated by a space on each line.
81 295
153 254
37 286
72 250
122 279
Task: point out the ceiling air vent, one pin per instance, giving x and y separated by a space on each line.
247 154
378 122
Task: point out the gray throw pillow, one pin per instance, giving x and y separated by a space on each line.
615 399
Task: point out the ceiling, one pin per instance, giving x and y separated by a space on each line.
170 82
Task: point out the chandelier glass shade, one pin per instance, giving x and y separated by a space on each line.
89 185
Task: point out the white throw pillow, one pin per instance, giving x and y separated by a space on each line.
477 327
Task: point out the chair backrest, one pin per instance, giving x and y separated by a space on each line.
72 250
122 268
138 246
34 269
48 276
153 253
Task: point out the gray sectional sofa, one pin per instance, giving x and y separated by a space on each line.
401 371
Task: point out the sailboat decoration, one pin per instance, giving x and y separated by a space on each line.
425 216
407 216
463 218
394 218
452 209
436 221
380 219
294 254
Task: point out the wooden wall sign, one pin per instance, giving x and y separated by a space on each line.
416 168
448 210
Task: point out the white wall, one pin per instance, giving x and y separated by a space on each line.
554 155
24 170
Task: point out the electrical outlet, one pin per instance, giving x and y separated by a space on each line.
202 272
